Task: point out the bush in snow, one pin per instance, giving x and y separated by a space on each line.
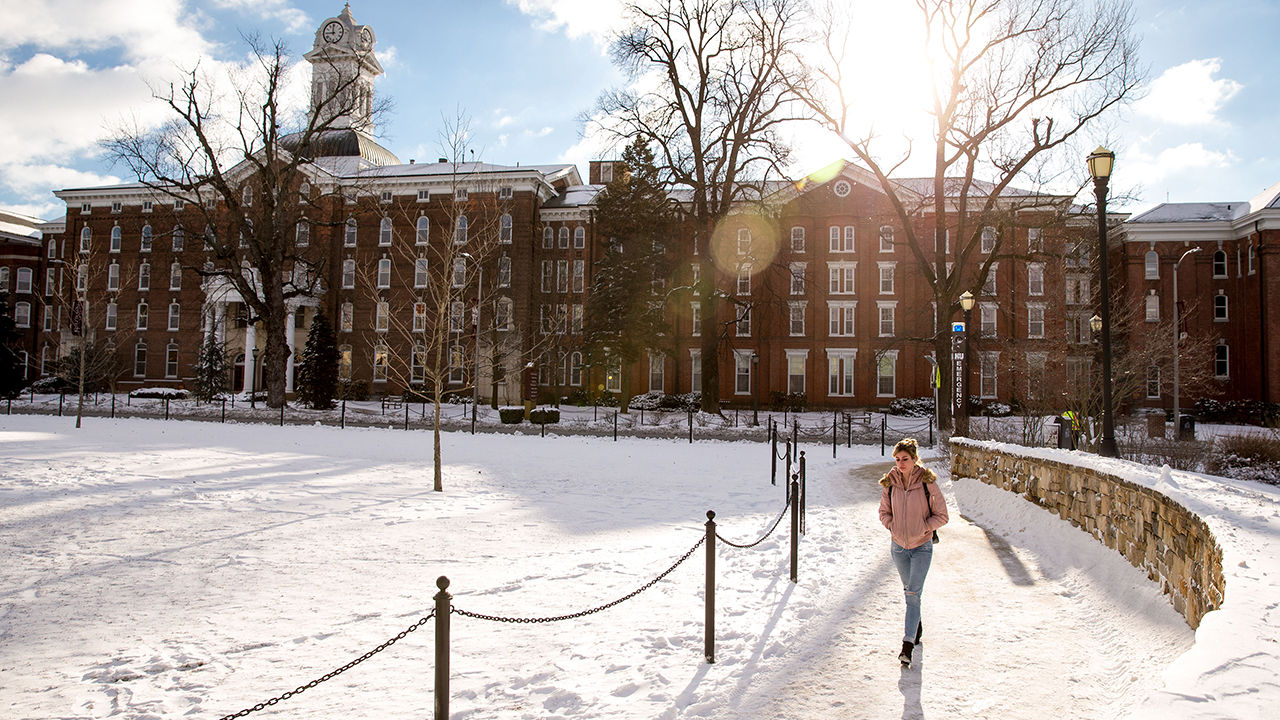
511 414
1252 412
52 385
789 402
649 401
1252 456
159 393
912 407
354 390
544 415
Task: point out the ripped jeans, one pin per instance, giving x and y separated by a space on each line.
913 566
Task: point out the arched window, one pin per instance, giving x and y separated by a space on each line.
142 316
246 196
1220 264
504 229
548 238
424 230
175 276
304 193
349 236
303 233
53 249
175 314
171 360
22 314
23 284
384 273
1152 265
575 369
384 231
460 234
564 238
112 314
579 237
146 238
179 238
4 279
85 236
380 360
344 362
113 277
348 274
1220 308
140 360
144 276
116 236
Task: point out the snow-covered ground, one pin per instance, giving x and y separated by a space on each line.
163 569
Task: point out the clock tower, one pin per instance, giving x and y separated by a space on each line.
343 68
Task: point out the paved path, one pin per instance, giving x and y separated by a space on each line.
1006 636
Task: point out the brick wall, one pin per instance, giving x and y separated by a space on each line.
1150 530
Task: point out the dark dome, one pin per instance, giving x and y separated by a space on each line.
344 142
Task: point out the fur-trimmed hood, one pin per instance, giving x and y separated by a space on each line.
927 476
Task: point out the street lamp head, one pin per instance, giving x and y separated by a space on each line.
1095 322
755 359
1101 162
966 301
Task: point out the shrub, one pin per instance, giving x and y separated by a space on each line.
690 402
912 407
354 390
788 402
511 414
1252 412
52 385
1252 456
544 415
607 399
580 397
649 401
159 393
415 394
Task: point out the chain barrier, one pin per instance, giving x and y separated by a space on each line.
584 613
335 673
777 522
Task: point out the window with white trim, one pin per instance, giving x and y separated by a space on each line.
347 317
840 372
384 274
304 234
575 369
22 314
657 371
344 362
418 364
86 236
504 271
1035 320
744 279
382 316
348 274
1036 362
171 360
695 370
579 276
113 276
886 277
504 192
1219 265
579 237
988 243
422 230
575 319
796 367
840 316
175 315
1153 307
142 316
1221 364
563 236
460 231
841 278
175 276
381 359
22 281
116 239
796 311
886 238
1153 382
695 318
502 314
797 239
140 360
504 229
459 272
742 372
146 239
744 241
562 276
797 277
1035 240
1219 308
887 374
424 196
420 277
547 277
1253 256
1035 279
987 370
988 315
179 238
1152 265
613 376
50 280
419 317
4 279
989 285
886 310
744 322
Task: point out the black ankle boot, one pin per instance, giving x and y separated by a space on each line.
904 657
919 632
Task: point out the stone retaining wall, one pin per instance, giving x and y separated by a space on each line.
1150 530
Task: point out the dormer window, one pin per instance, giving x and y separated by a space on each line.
424 195
146 206
86 208
179 205
386 196
460 195
504 193
116 207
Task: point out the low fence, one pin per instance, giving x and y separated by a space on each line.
444 608
835 429
1154 533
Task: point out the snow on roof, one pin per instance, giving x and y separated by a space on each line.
20 228
1269 198
1191 212
461 169
574 196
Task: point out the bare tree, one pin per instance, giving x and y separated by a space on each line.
243 159
1012 81
719 70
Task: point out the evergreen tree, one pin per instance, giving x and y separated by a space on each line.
626 310
211 369
318 368
11 381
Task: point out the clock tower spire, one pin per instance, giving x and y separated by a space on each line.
343 68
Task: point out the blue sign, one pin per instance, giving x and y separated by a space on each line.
957 327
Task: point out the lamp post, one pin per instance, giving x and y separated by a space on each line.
755 389
1101 162
253 384
1177 337
967 301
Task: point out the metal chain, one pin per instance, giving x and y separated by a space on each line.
335 673
606 606
730 543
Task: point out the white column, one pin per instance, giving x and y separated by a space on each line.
250 342
220 321
290 322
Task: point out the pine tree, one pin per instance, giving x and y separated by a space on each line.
11 381
626 310
211 369
318 369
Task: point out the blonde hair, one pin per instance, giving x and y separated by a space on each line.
910 446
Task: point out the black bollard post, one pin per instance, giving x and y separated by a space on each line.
282 413
804 494
166 408
884 423
690 427
61 397
709 630
795 531
406 420
795 434
113 406
9 409
641 417
342 423
835 432
848 423
443 608
773 453
224 410
544 424
615 426
930 431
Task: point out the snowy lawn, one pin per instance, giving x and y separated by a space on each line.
157 569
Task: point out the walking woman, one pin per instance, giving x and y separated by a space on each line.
911 508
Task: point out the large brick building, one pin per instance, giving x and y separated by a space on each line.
821 289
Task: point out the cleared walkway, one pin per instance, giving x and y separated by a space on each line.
1011 632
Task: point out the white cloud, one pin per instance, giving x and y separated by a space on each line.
595 18
1188 94
1174 161
295 19
538 133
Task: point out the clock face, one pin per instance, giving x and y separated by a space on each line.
366 37
333 32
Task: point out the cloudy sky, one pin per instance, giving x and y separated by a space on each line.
525 70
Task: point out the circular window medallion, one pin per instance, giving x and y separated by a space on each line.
841 188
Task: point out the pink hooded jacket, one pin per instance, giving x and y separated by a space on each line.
912 508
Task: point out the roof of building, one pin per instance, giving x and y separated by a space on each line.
1211 211
18 228
344 142
574 196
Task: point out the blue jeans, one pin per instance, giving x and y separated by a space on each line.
913 566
